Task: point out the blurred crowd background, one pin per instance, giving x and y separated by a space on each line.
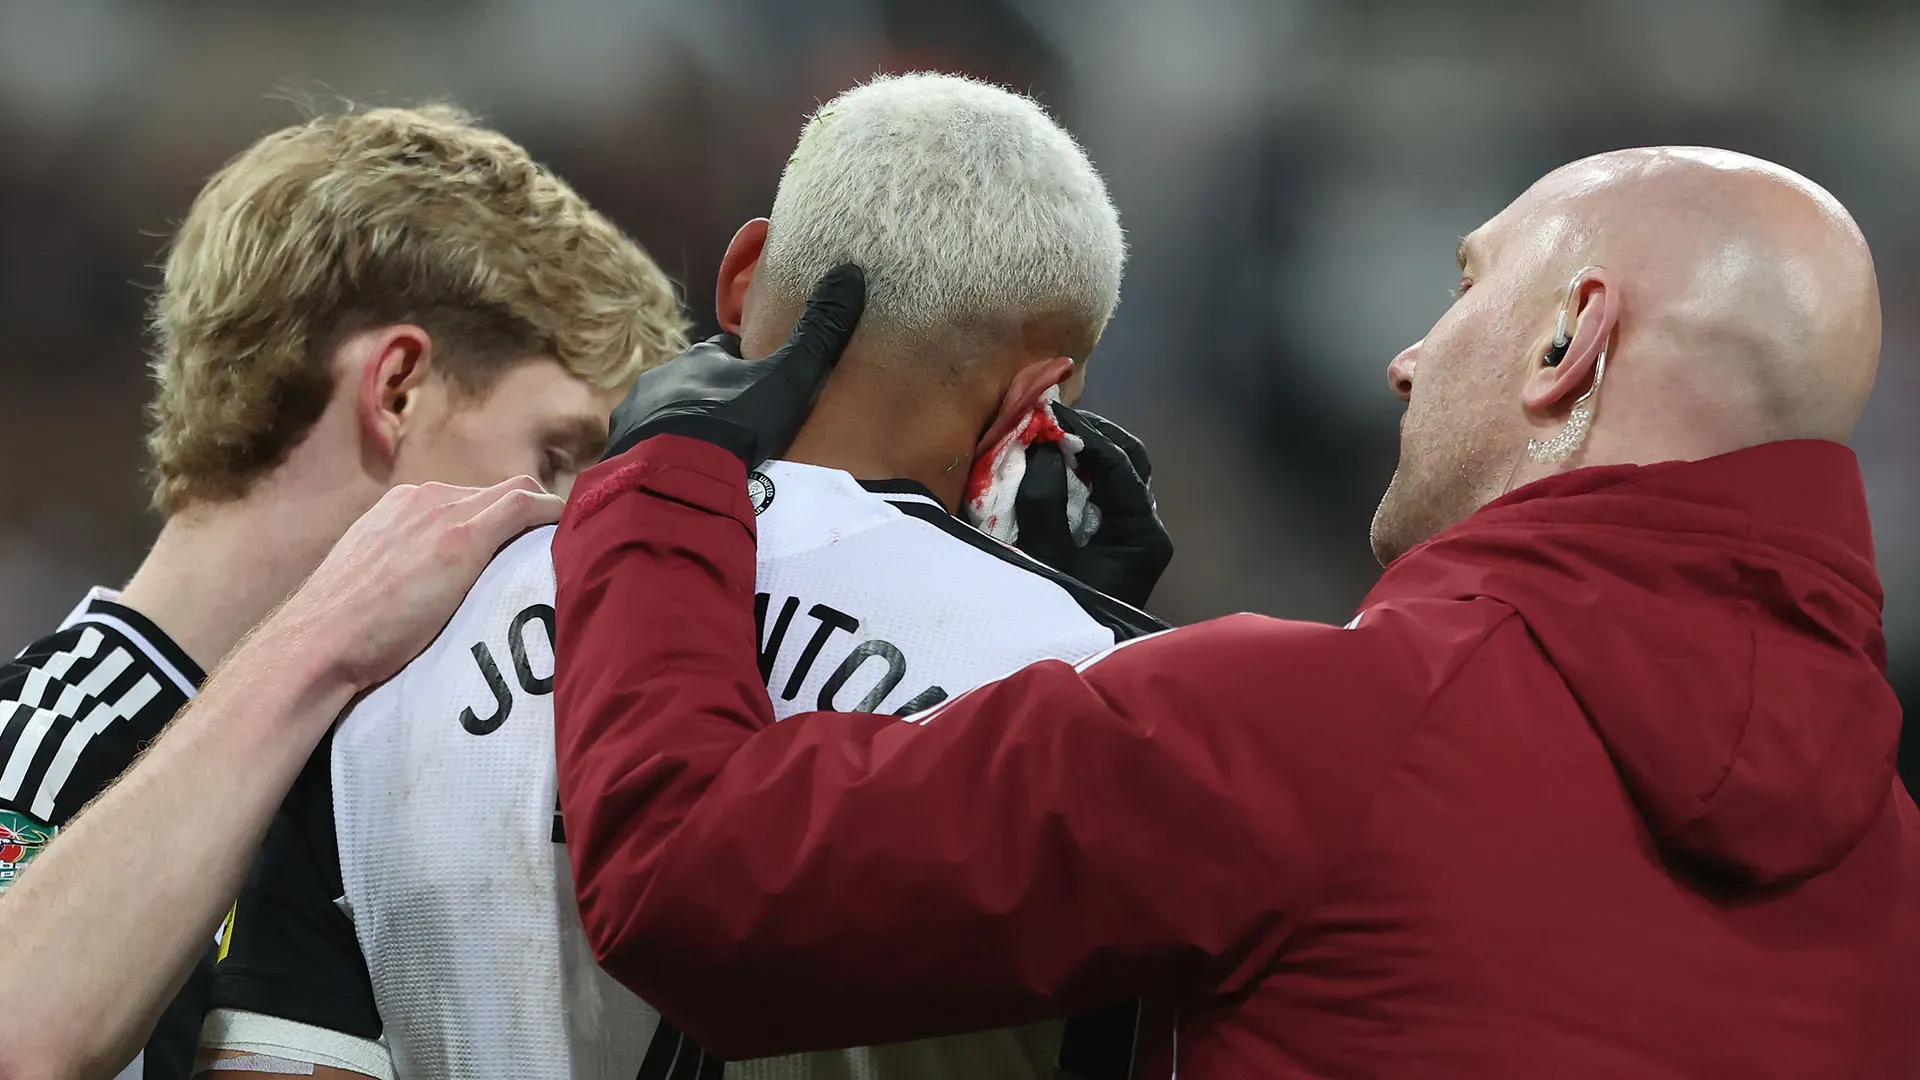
1292 174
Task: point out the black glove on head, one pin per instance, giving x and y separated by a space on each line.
751 408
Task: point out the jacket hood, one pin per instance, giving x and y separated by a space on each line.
1719 623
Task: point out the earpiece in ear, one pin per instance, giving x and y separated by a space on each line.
1562 333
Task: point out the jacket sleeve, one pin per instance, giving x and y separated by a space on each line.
1049 843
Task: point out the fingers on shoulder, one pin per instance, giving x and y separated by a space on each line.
509 511
456 504
429 500
455 521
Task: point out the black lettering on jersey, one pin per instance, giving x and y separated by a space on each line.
830 619
770 643
896 670
522 670
502 697
922 701
516 641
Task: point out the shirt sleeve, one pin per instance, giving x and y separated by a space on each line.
288 949
281 1040
1140 824
76 708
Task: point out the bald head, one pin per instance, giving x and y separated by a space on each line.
1712 300
1750 304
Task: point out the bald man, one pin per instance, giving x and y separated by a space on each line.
1599 782
1753 316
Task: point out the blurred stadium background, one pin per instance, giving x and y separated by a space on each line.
1292 174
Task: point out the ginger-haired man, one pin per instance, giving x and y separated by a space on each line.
359 301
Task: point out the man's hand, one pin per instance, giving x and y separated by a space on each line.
106 925
1126 557
752 408
398 574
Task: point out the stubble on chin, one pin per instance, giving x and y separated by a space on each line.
1426 495
1387 535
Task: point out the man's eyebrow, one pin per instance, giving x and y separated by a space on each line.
583 438
1460 254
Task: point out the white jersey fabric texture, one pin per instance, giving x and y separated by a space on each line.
445 794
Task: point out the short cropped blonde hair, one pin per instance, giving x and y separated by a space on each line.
363 219
966 203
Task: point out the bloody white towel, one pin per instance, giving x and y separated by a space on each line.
995 481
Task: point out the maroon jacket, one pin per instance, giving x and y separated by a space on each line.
1599 785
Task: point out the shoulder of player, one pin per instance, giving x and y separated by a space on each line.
81 660
76 706
528 555
520 573
799 506
100 635
102 608
968 543
516 586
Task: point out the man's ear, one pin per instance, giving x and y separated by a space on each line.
1553 387
398 359
1074 385
1023 395
736 274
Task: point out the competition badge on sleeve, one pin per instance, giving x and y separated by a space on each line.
21 838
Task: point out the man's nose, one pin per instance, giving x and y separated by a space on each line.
1400 371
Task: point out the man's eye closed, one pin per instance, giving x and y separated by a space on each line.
1460 290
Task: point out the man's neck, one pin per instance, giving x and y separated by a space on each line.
218 569
932 446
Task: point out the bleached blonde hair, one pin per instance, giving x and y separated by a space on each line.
363 219
966 204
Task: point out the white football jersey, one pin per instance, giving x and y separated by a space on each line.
451 854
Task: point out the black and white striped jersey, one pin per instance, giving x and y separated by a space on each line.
425 839
76 708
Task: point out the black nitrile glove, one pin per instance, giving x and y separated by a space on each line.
1131 549
752 408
